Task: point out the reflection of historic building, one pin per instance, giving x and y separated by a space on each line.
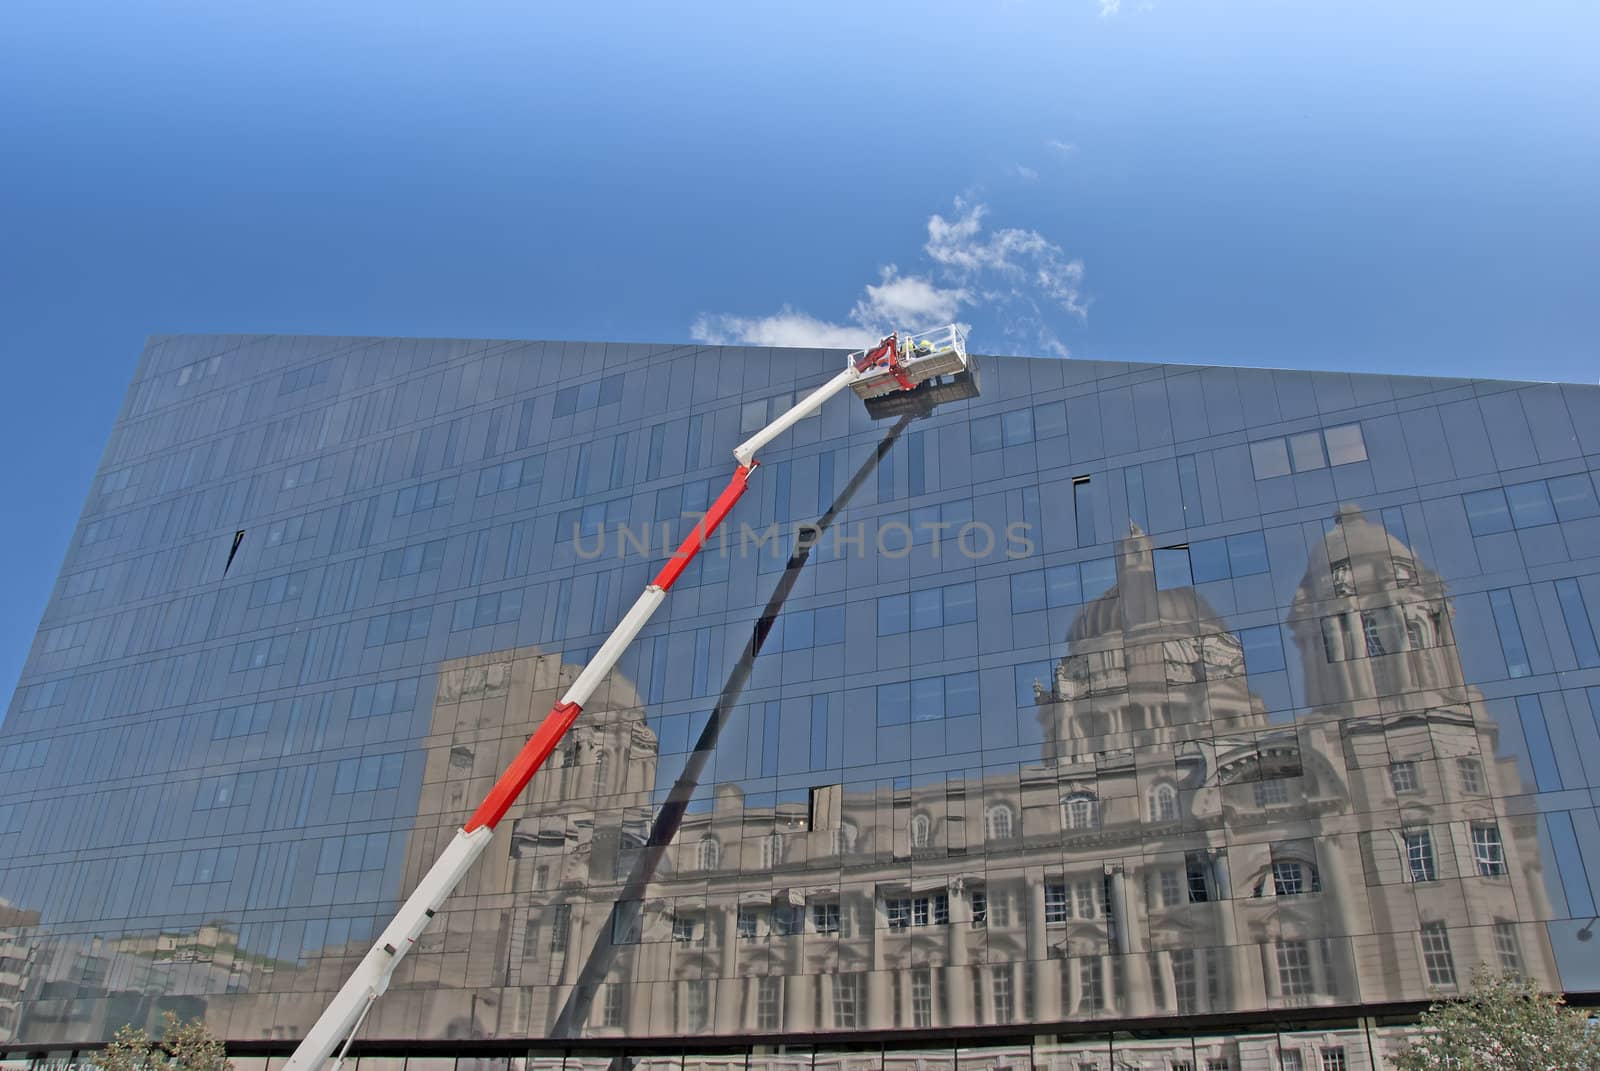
1112 803
1178 848
17 954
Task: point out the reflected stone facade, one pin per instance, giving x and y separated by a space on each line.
1119 715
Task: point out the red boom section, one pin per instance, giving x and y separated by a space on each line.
524 766
696 539
560 719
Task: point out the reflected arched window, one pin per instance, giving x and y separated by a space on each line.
844 839
1080 810
709 856
602 764
771 850
1416 635
1164 803
997 822
921 827
1374 639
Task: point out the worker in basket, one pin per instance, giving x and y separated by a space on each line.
918 348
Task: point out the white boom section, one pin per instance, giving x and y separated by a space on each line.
745 452
372 975
636 618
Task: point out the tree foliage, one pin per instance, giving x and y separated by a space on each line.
1505 1023
180 1047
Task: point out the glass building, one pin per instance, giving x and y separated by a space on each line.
1074 715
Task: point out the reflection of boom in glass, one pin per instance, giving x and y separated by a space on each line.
910 406
898 365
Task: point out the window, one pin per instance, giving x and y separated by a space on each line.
381 700
577 398
1000 989
1270 457
930 910
825 916
1470 771
1172 568
498 608
1172 888
1288 878
1305 450
709 856
920 828
424 496
1164 803
1403 776
1333 1058
846 1000
1091 985
1436 955
1057 904
1345 444
771 850
997 822
1197 870
683 928
612 1013
697 1012
1419 855
1580 626
1372 633
1506 946
353 854
502 477
922 997
560 927
1505 623
1289 1060
1530 504
1294 968
1309 450
210 866
1083 510
369 773
980 907
1080 810
897 912
931 608
1488 853
769 1002
748 923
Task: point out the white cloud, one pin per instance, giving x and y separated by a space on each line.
1109 7
1064 147
1021 259
1018 277
786 327
1025 173
907 300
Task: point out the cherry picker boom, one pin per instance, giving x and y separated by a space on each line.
897 363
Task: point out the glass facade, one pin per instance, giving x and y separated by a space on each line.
1052 721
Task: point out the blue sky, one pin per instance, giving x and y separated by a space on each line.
1381 187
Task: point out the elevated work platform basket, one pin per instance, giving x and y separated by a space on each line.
939 352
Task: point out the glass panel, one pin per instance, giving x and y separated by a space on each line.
1345 444
1270 457
1530 504
1306 449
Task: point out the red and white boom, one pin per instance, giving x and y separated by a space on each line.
899 362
